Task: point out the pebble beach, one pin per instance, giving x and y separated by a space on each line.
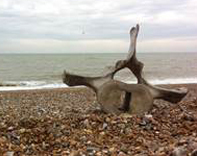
68 121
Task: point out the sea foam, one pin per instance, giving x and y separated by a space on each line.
33 85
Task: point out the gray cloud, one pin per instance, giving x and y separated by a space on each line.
85 20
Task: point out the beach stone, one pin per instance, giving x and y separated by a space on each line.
22 130
74 153
188 117
14 138
86 123
143 123
112 149
105 125
192 145
66 132
91 154
44 146
91 149
182 141
148 118
179 151
194 152
124 149
29 150
10 128
105 151
122 126
107 119
121 154
102 133
10 153
83 138
99 153
128 130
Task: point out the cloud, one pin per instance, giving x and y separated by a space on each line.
90 21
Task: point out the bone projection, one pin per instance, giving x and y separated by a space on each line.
115 96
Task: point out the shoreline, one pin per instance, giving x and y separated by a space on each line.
39 88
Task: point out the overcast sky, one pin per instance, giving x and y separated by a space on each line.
58 26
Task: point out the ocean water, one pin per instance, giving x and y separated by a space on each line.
36 71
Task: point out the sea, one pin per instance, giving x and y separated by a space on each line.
43 71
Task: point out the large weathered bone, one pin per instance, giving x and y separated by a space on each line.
109 96
136 67
93 82
135 98
131 61
108 104
114 96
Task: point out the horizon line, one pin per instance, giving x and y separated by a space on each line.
93 52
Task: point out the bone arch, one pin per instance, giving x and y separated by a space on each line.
138 97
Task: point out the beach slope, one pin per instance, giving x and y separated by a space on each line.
68 122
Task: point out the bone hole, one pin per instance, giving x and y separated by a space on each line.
125 75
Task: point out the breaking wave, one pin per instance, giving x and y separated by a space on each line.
32 85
